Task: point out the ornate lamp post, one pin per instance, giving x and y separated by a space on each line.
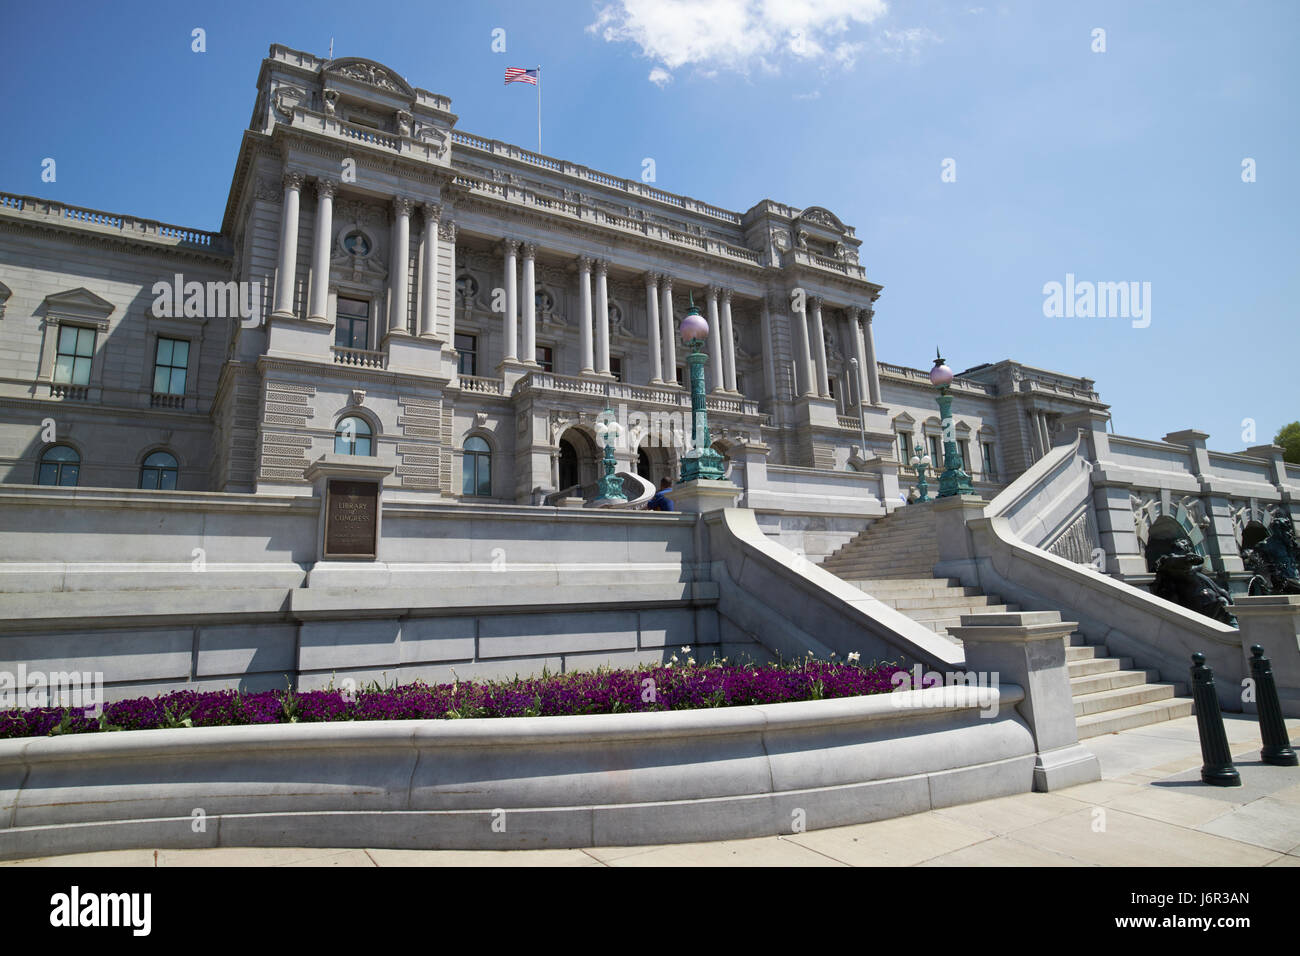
954 480
701 461
609 433
921 461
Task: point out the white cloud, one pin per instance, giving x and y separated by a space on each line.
660 77
814 95
738 35
908 42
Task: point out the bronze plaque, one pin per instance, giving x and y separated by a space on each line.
351 518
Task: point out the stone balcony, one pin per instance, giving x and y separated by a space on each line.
51 212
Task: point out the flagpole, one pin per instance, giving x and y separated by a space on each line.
539 109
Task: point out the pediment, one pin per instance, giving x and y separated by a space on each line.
962 428
79 303
370 73
820 216
904 419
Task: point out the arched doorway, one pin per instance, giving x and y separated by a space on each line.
578 460
568 464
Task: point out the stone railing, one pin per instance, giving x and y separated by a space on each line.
484 386
127 226
848 421
614 392
366 134
163 400
923 378
75 393
363 358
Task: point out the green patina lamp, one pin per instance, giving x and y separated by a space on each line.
701 460
609 433
954 480
921 461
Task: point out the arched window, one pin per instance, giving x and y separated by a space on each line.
60 465
477 468
159 472
352 436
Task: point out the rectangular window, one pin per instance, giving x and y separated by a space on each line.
965 456
616 367
352 324
681 375
546 358
76 352
990 468
905 447
936 453
170 364
467 346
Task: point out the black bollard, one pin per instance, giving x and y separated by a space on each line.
1272 728
1217 770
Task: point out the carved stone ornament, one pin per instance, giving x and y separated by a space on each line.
403 122
432 135
287 97
819 216
480 419
267 190
331 101
447 231
373 75
358 396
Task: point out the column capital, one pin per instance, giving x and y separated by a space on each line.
775 301
867 314
817 301
509 245
585 263
447 230
714 291
402 205
602 267
529 249
727 294
327 187
432 211
851 312
667 282
652 279
293 179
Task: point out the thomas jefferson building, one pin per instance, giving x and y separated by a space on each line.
355 300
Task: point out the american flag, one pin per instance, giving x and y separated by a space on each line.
517 74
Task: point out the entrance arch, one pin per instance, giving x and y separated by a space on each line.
578 459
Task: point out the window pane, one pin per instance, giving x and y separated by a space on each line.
149 478
363 445
476 444
68 475
181 354
167 479
354 307
49 473
85 342
467 484
81 371
67 339
160 379
178 381
342 446
484 475
63 368
164 352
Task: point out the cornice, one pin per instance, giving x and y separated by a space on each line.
67 230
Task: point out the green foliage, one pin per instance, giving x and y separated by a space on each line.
1288 437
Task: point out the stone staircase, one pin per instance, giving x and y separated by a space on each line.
893 561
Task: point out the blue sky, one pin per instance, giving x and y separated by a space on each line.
1122 165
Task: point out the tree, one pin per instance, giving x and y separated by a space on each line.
1289 438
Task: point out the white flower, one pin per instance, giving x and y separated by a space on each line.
686 650
854 657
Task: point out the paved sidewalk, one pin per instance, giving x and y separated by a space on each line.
1150 809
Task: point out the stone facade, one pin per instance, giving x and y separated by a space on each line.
369 254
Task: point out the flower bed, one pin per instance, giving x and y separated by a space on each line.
602 691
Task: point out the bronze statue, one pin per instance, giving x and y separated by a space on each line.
1180 578
1275 560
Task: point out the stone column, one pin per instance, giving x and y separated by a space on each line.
716 345
447 234
728 343
769 347
859 353
803 348
670 332
584 315
510 248
398 266
869 346
652 320
429 270
823 387
602 318
318 307
288 266
530 304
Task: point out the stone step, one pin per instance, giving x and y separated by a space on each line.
1111 721
904 588
944 601
1111 680
1123 697
919 581
1097 665
1084 652
882 567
